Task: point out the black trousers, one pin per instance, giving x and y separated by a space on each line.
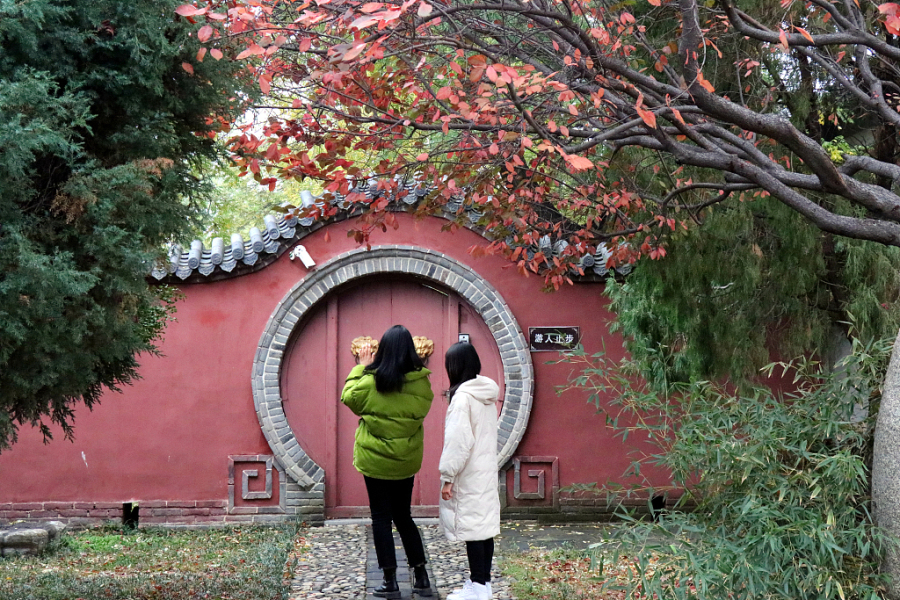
480 554
390 501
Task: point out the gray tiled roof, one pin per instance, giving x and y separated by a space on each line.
277 233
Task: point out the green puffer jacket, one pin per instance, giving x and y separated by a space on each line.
390 439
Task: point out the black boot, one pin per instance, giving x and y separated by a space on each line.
421 584
388 588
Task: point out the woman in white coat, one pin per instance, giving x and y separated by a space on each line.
470 501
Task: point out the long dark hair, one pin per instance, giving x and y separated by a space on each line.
396 356
462 364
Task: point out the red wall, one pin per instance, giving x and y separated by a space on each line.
169 435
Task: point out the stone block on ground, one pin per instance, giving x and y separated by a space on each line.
28 538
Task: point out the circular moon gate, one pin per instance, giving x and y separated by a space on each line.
419 263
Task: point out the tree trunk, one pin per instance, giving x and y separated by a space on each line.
885 469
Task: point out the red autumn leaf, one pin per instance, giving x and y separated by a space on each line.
252 50
579 163
216 53
443 93
893 25
201 53
189 10
654 2
370 7
389 15
647 116
363 22
264 84
187 67
424 9
782 36
422 157
353 52
805 33
705 83
205 33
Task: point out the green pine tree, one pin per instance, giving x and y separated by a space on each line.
101 126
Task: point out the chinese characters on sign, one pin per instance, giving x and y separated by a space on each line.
553 339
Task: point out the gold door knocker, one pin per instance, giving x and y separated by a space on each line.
424 346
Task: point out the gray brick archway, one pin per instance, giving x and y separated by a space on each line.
416 262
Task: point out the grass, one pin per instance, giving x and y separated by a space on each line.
240 563
565 574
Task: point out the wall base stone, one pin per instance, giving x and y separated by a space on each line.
305 506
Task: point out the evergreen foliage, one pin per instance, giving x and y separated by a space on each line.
754 284
100 125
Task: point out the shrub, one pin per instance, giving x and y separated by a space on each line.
778 483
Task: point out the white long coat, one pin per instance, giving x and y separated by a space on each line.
469 462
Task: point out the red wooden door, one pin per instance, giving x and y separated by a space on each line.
318 359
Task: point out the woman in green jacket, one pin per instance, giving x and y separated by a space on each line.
391 395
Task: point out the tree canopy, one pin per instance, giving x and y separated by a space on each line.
100 123
529 105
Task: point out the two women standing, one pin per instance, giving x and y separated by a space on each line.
391 394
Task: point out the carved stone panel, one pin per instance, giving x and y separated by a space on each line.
256 485
532 481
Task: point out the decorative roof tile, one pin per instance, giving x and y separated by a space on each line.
279 232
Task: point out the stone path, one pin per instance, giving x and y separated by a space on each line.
340 564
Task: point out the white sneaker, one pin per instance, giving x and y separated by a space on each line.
457 593
472 591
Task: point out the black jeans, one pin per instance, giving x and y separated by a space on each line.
389 501
480 554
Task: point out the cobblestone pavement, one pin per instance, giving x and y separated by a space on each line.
340 564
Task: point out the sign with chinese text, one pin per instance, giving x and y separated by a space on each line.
553 339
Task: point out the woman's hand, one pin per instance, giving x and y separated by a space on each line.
447 491
366 356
